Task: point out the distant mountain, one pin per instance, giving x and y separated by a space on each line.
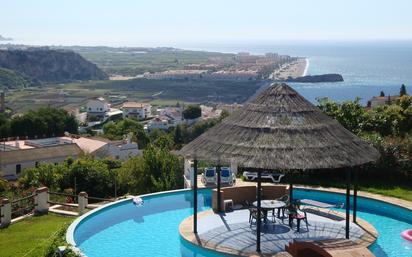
10 79
45 65
5 38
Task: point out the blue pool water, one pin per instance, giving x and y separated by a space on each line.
152 229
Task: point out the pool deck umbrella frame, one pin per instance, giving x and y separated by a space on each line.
280 130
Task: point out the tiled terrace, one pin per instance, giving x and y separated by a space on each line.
231 233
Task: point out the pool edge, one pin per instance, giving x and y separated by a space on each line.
71 229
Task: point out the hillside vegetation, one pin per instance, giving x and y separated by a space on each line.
45 65
10 79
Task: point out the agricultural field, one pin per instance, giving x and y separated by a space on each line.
157 92
138 60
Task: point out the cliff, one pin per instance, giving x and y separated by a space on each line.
317 78
45 65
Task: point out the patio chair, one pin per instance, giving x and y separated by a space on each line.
253 215
295 213
209 176
285 199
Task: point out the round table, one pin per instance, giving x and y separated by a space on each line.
268 205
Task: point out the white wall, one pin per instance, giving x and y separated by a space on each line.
97 106
122 152
10 169
138 113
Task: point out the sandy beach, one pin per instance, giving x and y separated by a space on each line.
295 69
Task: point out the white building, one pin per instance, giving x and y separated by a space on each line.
102 148
209 112
13 159
97 107
160 122
21 154
382 100
174 113
136 110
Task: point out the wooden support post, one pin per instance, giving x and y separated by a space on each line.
348 172
355 193
259 218
290 193
195 196
219 194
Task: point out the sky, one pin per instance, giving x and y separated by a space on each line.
167 22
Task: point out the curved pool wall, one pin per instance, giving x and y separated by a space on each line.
123 229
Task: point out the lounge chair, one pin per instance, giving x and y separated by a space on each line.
275 177
209 176
226 176
321 205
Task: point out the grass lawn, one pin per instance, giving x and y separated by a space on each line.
395 186
398 192
30 237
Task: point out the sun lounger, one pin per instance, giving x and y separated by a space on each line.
226 176
275 177
320 205
209 176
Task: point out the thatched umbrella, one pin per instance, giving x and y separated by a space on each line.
281 130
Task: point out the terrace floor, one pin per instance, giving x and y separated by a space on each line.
231 232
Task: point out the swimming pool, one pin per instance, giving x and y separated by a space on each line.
123 229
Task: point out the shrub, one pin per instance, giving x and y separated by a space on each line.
59 239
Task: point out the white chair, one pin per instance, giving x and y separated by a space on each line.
226 176
209 176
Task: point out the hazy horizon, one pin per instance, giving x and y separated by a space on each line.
172 23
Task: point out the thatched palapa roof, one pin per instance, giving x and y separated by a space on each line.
280 129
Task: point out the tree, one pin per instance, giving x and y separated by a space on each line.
156 170
117 130
44 121
178 136
402 91
4 126
382 94
46 174
192 112
349 113
92 176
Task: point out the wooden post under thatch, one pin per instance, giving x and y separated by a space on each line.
259 209
355 193
219 194
347 230
195 196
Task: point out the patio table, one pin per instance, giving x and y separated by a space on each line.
270 205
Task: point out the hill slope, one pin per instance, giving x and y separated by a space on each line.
10 79
45 65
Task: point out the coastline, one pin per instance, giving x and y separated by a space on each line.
295 69
305 72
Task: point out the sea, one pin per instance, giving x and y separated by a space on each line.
367 67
